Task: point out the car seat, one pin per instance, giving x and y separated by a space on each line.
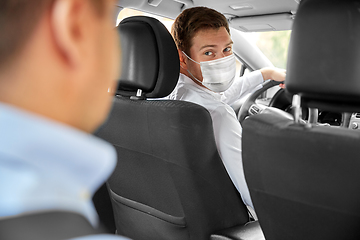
46 225
304 178
169 182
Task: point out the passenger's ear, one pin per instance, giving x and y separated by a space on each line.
67 23
182 57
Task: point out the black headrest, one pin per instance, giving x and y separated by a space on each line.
324 54
150 59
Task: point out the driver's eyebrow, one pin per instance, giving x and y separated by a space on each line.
206 46
230 43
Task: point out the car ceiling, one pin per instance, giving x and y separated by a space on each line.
244 15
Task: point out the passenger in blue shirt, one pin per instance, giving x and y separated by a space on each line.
59 63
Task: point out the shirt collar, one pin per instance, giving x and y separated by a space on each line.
55 148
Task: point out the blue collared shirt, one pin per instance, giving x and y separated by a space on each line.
45 165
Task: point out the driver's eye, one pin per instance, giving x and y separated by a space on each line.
228 49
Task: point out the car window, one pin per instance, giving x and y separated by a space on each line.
274 45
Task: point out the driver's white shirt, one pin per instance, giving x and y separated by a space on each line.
227 129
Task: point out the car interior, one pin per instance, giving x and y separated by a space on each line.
298 143
303 182
169 182
295 150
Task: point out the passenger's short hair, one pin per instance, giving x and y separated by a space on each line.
18 19
191 20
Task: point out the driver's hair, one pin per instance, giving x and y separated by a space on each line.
18 19
191 20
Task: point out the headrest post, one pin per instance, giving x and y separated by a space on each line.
313 115
345 120
296 101
139 93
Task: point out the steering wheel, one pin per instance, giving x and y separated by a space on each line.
250 107
280 104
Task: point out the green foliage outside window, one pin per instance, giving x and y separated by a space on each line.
275 46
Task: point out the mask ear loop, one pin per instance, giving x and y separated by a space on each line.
189 71
190 58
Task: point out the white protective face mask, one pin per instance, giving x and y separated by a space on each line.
218 75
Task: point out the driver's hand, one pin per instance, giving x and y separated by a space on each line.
276 74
